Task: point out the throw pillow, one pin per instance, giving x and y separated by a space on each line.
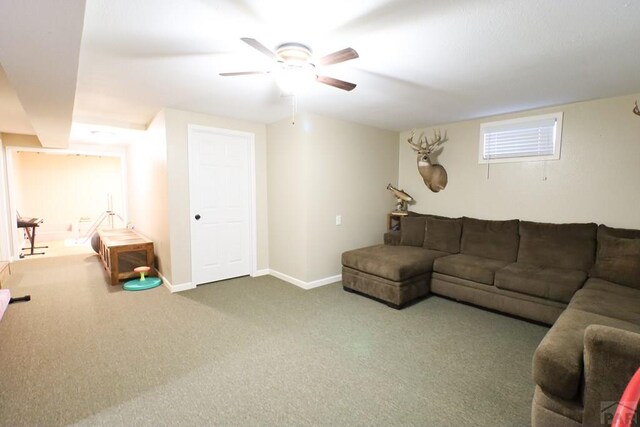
443 234
618 261
412 230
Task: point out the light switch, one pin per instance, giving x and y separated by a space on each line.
338 219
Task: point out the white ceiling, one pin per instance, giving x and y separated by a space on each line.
421 62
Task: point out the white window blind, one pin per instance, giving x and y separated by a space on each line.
524 139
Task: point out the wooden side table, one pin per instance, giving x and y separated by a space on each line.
393 221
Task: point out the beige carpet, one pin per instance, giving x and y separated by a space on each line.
251 352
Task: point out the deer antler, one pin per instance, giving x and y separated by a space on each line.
420 146
437 140
636 110
424 146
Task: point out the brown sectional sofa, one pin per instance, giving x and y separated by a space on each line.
583 279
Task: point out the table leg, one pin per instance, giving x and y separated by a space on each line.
31 234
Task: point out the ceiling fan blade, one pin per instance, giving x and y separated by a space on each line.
340 84
244 73
259 46
339 56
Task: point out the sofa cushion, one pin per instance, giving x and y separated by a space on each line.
571 246
477 269
443 234
618 260
607 303
412 230
396 263
610 287
556 284
490 239
558 360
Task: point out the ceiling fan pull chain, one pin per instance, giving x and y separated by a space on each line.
294 108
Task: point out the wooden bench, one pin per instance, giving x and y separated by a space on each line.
122 250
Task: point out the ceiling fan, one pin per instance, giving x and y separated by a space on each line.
296 62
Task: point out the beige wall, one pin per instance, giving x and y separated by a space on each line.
62 188
178 186
147 183
320 168
287 162
596 178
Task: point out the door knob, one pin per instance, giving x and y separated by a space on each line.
197 217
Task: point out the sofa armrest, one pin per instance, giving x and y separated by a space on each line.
392 238
611 357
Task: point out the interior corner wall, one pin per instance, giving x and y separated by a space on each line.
349 168
288 196
321 168
147 191
595 180
177 123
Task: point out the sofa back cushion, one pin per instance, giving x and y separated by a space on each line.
618 258
490 239
412 230
625 233
443 234
571 246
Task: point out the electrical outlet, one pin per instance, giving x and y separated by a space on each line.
338 219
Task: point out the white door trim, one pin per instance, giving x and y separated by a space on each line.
253 236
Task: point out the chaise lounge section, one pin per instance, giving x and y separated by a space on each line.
395 275
583 279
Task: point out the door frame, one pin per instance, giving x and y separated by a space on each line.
253 234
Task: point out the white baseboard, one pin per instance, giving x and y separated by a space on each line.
176 288
305 285
263 272
289 279
325 281
300 283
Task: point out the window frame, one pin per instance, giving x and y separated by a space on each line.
557 143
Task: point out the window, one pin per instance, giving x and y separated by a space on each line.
525 139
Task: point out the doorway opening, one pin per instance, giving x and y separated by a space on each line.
62 197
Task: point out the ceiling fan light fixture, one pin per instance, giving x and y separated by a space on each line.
296 67
294 79
294 53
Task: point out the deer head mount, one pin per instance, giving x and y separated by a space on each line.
636 110
434 175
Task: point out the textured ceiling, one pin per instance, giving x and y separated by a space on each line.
421 62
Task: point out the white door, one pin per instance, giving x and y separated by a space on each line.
220 171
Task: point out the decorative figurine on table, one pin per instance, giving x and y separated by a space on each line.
403 200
